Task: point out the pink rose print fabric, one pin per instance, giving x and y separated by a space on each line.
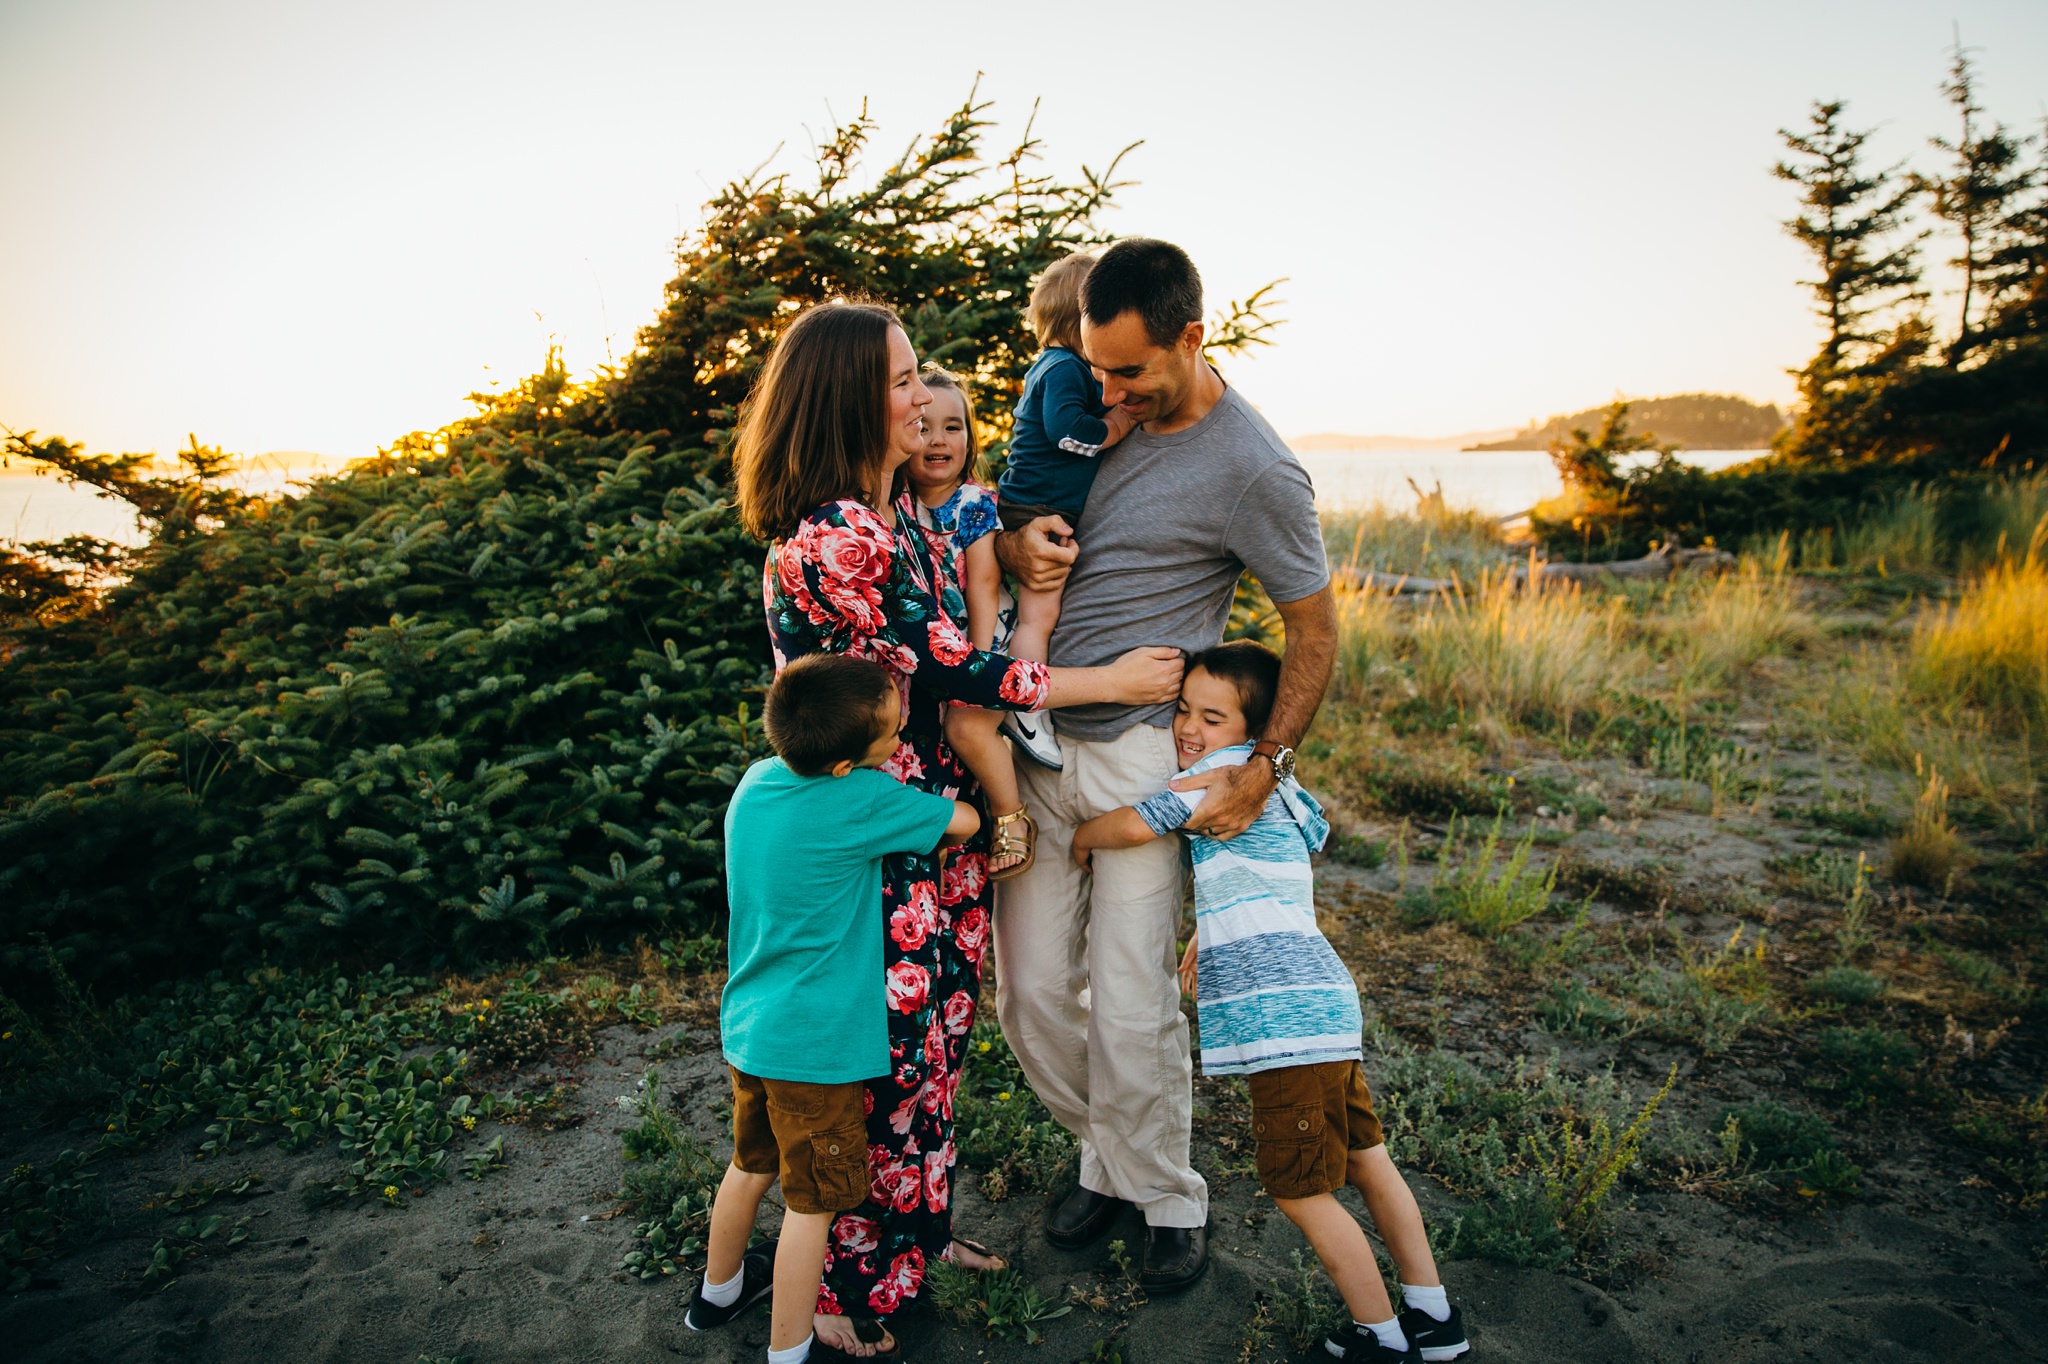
856 581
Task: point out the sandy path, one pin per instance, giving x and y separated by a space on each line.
523 1266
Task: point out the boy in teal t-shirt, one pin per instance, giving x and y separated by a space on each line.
805 1016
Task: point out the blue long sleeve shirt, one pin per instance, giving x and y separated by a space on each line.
1057 434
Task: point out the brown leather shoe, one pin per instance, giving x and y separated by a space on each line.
1080 1217
1174 1258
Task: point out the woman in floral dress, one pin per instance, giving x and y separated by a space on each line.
836 413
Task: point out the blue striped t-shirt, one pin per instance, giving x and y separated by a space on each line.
1271 991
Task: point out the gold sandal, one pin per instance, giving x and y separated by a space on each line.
1006 844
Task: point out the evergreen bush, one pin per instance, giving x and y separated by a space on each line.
489 691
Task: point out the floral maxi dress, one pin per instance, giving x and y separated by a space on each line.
853 580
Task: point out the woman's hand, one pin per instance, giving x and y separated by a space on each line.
1147 675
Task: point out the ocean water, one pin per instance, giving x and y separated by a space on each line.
37 507
1500 482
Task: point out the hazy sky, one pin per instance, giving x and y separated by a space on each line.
316 227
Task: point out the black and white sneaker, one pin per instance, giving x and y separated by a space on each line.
1356 1344
1032 732
757 1281
1437 1340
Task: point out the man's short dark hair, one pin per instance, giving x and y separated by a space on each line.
825 709
1152 278
1252 670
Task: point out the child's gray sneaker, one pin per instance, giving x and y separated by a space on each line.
1032 732
757 1281
1437 1340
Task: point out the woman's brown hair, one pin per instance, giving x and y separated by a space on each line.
817 422
937 377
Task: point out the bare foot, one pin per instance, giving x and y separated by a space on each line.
969 1256
837 1331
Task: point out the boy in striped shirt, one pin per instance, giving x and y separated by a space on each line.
1278 1006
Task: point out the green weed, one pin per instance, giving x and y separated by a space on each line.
1872 1064
1303 1308
1847 984
1790 1151
1001 1301
1580 1168
1573 1010
2012 1137
670 1179
1477 889
1988 978
1001 1128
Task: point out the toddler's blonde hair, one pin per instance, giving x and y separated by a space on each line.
1055 308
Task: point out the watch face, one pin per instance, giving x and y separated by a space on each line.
1283 764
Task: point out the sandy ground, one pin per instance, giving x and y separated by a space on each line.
523 1266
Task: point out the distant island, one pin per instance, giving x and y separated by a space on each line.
1323 442
1694 421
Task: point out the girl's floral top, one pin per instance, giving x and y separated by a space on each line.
966 516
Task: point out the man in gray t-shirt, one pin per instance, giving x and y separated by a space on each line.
1201 491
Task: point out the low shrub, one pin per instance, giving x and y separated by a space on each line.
1870 1064
1790 1151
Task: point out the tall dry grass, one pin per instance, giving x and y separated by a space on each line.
1930 529
1990 649
1524 657
1716 629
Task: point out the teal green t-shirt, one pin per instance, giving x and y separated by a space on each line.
805 999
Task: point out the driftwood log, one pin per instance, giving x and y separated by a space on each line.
1666 561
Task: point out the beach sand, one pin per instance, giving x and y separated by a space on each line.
523 1265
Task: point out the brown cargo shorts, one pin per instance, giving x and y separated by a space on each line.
813 1138
1306 1120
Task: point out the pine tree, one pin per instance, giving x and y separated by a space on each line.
1854 222
1850 221
1976 197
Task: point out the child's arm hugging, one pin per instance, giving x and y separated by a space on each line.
1133 826
966 819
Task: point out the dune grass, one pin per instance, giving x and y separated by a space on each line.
1929 529
1532 658
1990 649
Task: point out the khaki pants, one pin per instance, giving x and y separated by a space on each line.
1086 989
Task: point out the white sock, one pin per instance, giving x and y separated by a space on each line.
795 1354
1433 1300
1389 1331
727 1293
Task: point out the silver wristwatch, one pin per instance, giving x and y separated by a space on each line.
1279 754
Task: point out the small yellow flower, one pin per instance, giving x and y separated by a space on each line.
483 1004
295 1110
468 1123
7 1036
391 1191
1004 1095
984 1046
110 1127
